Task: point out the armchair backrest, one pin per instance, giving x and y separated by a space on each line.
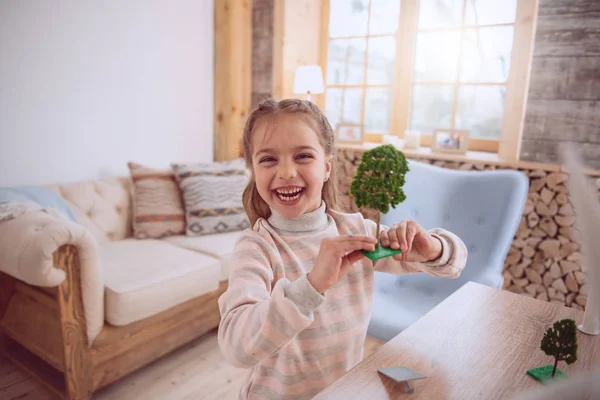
483 208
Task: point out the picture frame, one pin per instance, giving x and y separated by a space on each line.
346 133
453 141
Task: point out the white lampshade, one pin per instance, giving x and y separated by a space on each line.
309 80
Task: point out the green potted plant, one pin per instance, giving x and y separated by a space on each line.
378 185
560 342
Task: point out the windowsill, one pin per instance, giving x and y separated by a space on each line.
469 156
474 157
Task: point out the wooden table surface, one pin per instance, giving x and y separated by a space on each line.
477 344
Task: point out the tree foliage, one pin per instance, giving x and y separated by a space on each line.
379 179
560 342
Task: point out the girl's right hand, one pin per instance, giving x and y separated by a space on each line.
335 256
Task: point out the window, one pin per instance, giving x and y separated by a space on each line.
394 65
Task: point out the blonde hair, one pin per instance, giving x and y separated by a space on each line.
254 205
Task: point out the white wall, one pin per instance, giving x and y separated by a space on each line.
87 85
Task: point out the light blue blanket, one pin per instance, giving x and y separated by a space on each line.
40 195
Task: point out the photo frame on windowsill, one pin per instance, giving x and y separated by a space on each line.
346 133
453 141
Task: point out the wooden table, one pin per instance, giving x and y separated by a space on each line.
476 344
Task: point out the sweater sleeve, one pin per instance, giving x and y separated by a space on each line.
258 315
449 265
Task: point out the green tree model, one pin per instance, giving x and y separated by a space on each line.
560 342
378 185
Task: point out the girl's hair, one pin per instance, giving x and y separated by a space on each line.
255 206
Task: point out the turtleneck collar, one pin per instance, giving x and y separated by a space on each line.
308 222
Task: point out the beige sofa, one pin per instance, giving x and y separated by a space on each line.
83 304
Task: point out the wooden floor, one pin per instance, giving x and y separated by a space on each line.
194 371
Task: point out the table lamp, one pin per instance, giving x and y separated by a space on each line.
309 80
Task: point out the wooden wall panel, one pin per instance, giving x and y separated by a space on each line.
565 78
559 7
548 151
567 120
568 35
262 50
232 88
564 93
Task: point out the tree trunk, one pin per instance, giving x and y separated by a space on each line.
555 363
378 228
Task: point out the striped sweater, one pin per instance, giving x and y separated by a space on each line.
294 340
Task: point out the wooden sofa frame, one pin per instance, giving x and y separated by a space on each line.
43 331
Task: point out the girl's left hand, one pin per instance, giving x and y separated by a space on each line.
416 243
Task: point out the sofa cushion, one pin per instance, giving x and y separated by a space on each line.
101 206
157 204
146 277
212 195
219 246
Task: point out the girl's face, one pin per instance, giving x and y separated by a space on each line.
289 165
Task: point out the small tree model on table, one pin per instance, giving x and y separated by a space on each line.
560 342
378 185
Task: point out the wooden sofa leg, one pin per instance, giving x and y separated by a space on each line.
78 366
7 287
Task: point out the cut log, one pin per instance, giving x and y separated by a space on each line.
546 195
533 276
532 220
564 221
548 225
571 283
568 267
554 179
555 270
566 209
550 247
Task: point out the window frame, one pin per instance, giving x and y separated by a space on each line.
508 145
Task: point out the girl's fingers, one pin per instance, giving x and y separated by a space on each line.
411 231
397 236
353 245
353 257
346 238
385 239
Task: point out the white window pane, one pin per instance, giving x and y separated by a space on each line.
440 13
348 18
343 105
382 53
346 61
377 109
486 12
385 15
431 108
480 110
437 56
333 106
486 54
352 99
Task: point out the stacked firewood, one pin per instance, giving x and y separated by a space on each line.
543 261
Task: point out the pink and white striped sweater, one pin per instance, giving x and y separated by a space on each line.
294 340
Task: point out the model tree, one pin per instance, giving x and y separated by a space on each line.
560 342
378 185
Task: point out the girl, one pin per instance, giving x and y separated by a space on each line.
300 293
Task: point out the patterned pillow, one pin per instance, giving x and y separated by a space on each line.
157 204
212 195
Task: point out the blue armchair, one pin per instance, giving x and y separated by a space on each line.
483 208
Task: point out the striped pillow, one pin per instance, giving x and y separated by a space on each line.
212 195
157 204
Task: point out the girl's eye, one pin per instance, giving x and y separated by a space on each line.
304 156
267 159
